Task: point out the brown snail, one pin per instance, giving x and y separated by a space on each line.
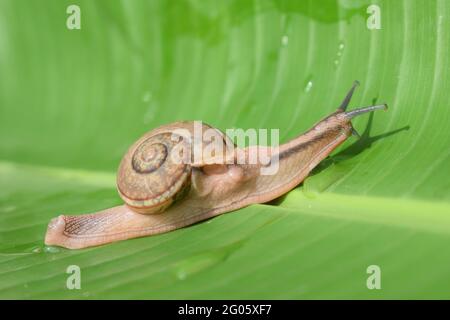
166 187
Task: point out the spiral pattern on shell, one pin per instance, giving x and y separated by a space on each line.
151 175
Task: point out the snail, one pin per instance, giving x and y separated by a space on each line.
165 187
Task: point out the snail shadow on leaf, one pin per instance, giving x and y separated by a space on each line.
363 143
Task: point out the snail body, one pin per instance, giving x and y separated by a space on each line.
166 187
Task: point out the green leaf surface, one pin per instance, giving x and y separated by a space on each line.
72 101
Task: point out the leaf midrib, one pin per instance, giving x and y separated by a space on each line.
402 212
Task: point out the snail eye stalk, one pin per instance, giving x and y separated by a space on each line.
356 112
349 95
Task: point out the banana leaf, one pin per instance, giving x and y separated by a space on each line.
73 100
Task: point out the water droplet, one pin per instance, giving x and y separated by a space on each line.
198 262
51 249
149 115
286 27
147 96
339 54
22 250
36 249
308 86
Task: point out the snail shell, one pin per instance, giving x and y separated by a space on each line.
156 170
